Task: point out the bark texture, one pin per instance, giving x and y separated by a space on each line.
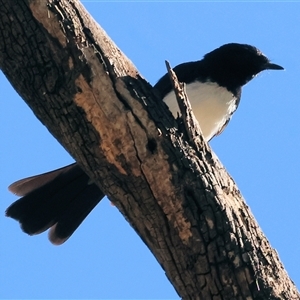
175 194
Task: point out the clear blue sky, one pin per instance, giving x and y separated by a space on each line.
260 149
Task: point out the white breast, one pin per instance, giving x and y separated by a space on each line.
212 105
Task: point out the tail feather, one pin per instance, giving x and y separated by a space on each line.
24 186
60 199
74 215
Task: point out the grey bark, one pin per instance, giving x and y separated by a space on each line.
175 193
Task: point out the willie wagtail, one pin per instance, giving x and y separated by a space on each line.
61 199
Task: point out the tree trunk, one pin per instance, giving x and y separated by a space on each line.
175 194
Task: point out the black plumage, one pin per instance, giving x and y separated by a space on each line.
61 199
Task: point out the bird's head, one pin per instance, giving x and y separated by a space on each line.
233 64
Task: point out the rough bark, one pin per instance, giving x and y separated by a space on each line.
175 194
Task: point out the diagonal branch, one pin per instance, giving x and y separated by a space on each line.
180 200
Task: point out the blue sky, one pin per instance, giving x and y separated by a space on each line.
260 149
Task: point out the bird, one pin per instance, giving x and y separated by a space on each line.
61 199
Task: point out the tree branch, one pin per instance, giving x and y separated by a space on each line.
178 198
191 124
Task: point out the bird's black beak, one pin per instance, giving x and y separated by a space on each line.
271 66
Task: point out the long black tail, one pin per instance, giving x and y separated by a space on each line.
59 200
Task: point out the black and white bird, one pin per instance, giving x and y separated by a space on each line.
61 199
214 84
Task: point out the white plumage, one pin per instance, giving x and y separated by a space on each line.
212 105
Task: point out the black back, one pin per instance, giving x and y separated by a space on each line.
231 66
